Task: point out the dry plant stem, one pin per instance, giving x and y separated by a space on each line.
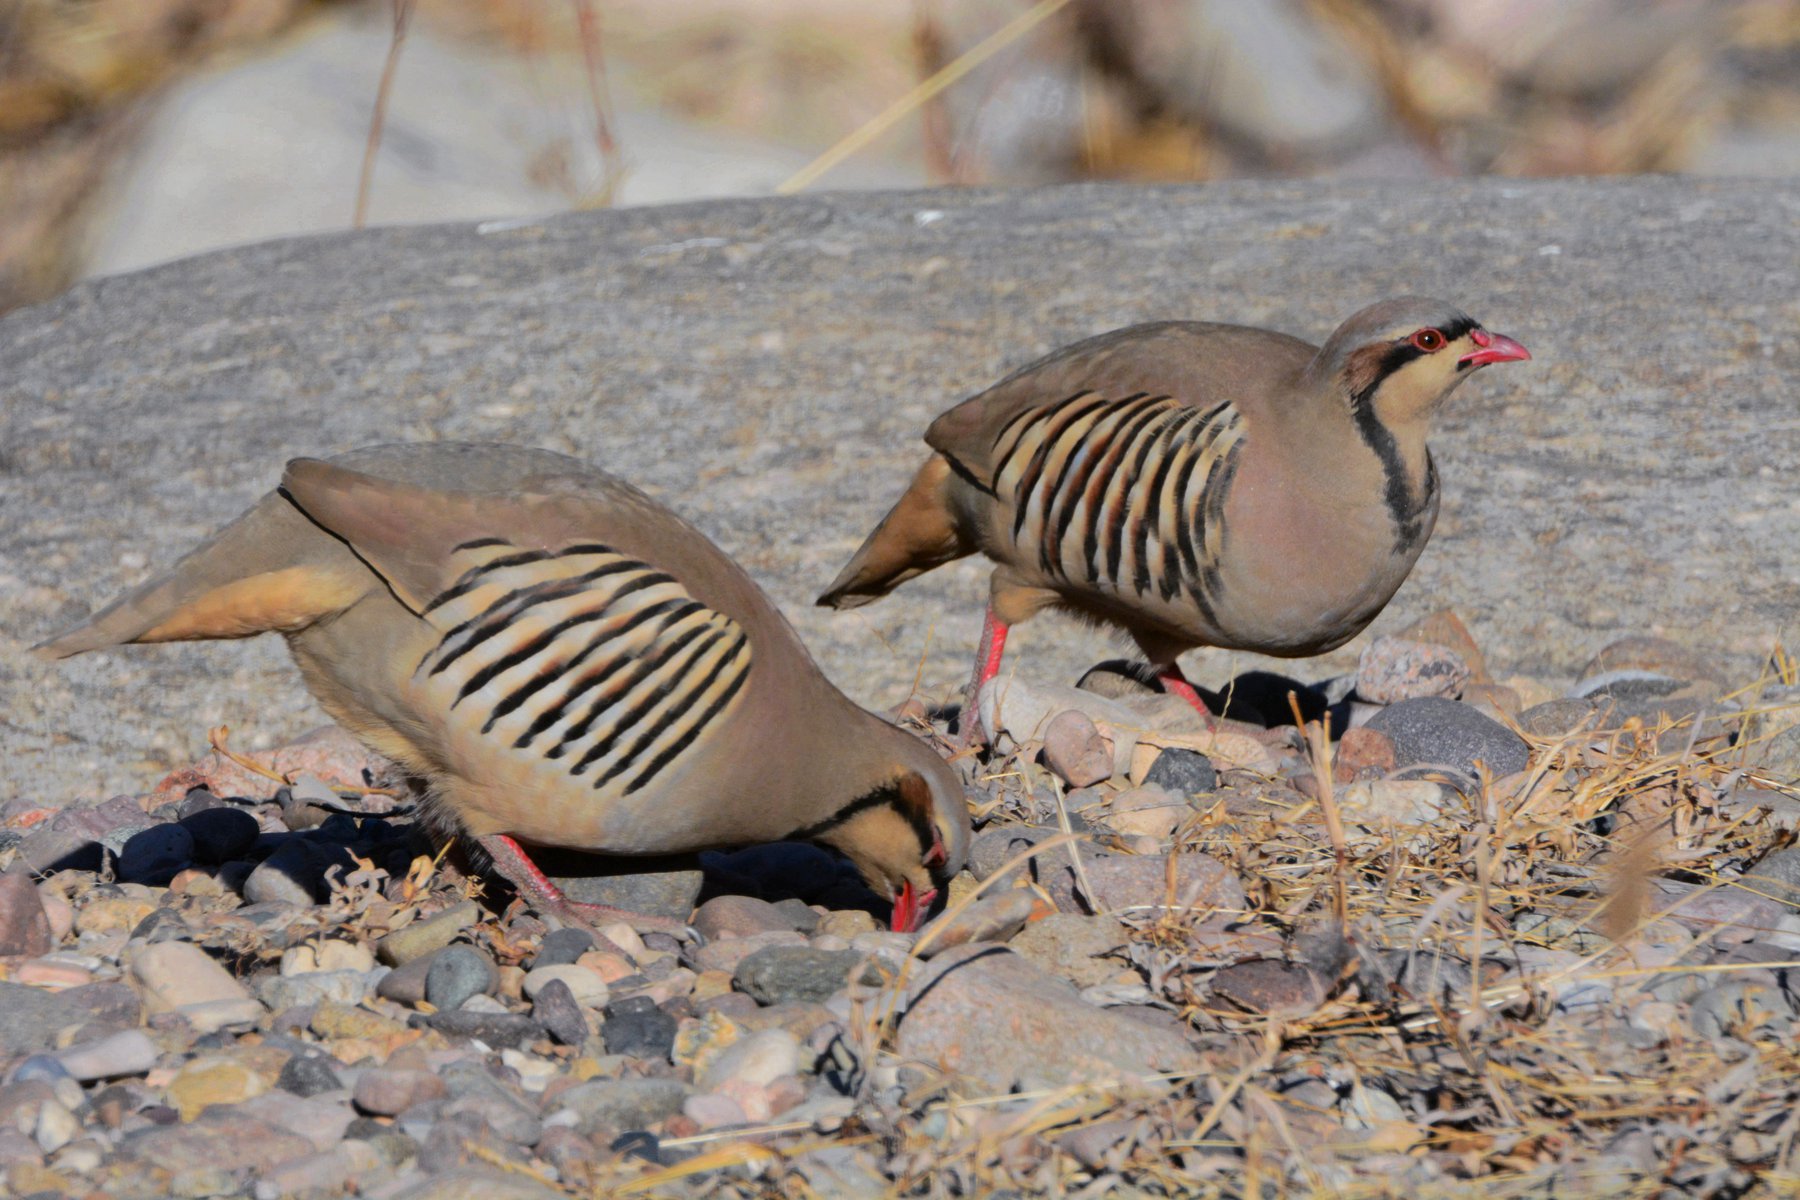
403 12
217 739
930 48
612 172
1484 871
894 113
1081 876
1318 746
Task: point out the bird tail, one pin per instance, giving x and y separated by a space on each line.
269 570
919 533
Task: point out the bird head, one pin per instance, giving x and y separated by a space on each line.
1400 358
907 836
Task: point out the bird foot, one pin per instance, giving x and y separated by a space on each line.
516 867
1174 683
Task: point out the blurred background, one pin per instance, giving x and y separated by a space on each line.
136 131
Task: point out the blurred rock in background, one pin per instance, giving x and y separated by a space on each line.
134 131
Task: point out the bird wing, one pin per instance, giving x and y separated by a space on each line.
550 640
1187 363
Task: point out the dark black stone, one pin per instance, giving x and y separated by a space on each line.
1183 772
220 833
639 1143
637 1028
555 1009
308 1075
562 946
503 1031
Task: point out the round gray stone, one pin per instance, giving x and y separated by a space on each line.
782 974
456 973
1448 733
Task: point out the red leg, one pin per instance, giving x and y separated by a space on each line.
1176 684
512 862
987 665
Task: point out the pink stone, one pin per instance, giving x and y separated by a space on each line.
52 975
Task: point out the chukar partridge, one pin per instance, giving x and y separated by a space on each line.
559 661
1194 484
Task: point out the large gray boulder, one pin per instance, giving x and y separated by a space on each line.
767 366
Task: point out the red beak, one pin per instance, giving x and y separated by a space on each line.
909 906
1494 348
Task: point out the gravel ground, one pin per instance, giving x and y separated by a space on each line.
767 366
1505 939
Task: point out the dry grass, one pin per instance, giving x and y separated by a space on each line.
1488 1029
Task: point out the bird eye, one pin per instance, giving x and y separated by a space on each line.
1428 340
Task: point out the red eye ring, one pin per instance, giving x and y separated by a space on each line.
1429 340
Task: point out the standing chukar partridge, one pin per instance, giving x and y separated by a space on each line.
558 660
1194 484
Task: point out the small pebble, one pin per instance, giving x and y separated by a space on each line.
499 1030
556 1009
280 992
584 985
777 974
24 925
211 1080
1393 669
406 983
714 1112
181 977
390 1091
636 1027
1186 773
423 937
1074 749
758 1059
307 1075
610 968
1445 733
291 875
129 1052
56 1127
739 916
562 946
51 974
456 974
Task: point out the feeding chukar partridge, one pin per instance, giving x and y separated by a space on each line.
560 661
1194 484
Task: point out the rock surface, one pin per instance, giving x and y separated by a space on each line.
140 412
984 1012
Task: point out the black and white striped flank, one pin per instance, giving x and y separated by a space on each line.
1126 495
583 656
